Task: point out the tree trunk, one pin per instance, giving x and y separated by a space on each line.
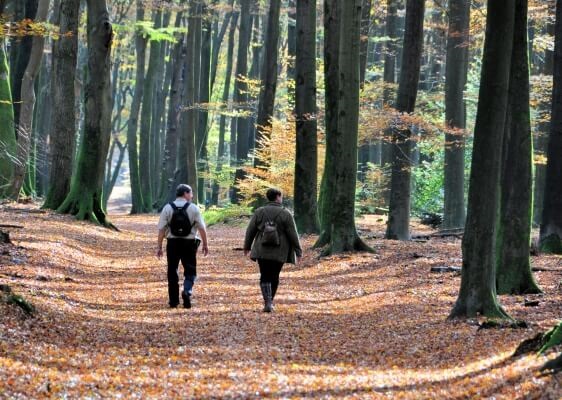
332 12
343 234
217 42
240 93
477 294
204 98
85 197
170 152
514 274
268 81
8 145
389 77
63 129
551 226
398 225
146 148
132 127
221 152
23 53
456 69
28 103
306 160
291 51
365 31
187 155
254 74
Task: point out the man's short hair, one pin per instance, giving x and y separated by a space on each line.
182 189
272 194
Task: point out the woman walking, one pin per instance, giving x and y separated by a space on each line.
275 241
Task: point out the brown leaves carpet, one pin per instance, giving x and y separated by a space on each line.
353 326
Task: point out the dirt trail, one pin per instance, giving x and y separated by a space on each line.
358 326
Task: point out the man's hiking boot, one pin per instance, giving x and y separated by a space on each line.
186 300
267 296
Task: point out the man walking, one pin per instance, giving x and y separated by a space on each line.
182 224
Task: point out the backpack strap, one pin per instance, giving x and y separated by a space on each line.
184 208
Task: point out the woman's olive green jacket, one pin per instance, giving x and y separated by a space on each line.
289 244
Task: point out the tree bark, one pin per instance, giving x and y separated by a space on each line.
477 295
398 225
240 96
344 235
132 127
63 129
146 148
217 42
456 69
22 52
326 198
551 226
268 82
514 274
306 160
85 197
8 145
28 103
221 152
254 74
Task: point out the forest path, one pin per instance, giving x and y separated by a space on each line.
361 326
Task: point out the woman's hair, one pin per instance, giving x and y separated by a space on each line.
272 194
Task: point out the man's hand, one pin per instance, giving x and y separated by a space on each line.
159 252
205 250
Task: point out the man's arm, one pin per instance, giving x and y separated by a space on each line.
161 234
203 234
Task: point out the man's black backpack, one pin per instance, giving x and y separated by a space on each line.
180 225
270 235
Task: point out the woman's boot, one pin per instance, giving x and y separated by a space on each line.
267 296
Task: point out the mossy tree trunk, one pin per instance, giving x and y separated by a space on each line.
513 273
137 205
63 129
456 68
551 225
8 145
27 106
398 225
477 295
332 13
306 160
85 197
268 82
343 234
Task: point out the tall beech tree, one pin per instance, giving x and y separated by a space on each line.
132 126
268 80
477 293
306 160
398 226
551 224
146 146
221 150
63 128
342 141
514 274
456 69
326 198
28 103
239 128
85 197
8 145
